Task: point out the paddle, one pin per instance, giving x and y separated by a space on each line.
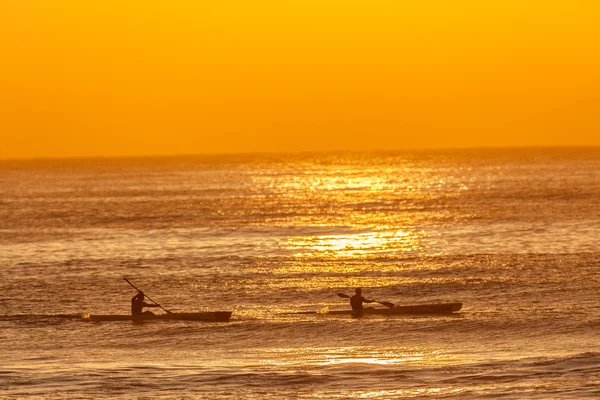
384 303
148 297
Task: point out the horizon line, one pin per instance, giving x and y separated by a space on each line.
295 152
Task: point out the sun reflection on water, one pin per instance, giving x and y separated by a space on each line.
338 356
351 360
355 244
389 394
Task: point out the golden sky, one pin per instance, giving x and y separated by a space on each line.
136 77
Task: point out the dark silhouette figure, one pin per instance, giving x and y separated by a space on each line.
356 302
137 305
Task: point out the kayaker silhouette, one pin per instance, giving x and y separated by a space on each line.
356 302
137 305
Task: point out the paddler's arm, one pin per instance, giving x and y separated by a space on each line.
368 301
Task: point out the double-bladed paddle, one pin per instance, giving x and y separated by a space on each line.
384 303
148 297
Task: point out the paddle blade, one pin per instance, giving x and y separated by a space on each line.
323 310
386 303
342 295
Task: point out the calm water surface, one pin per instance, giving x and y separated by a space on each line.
512 234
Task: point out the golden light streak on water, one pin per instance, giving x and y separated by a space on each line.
338 179
354 244
390 394
340 356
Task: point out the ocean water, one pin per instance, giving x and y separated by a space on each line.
512 234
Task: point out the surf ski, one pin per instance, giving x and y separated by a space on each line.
420 309
214 316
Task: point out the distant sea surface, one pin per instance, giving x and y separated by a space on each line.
512 234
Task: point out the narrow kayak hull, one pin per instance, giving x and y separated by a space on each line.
215 316
442 308
423 309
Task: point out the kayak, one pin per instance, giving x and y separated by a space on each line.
441 308
215 316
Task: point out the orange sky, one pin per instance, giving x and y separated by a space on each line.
135 77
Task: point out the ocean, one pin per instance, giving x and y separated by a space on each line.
513 234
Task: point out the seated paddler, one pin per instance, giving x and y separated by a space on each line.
356 301
138 304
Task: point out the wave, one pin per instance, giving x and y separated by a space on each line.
571 376
19 317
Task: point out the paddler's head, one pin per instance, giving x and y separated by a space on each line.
141 295
358 291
